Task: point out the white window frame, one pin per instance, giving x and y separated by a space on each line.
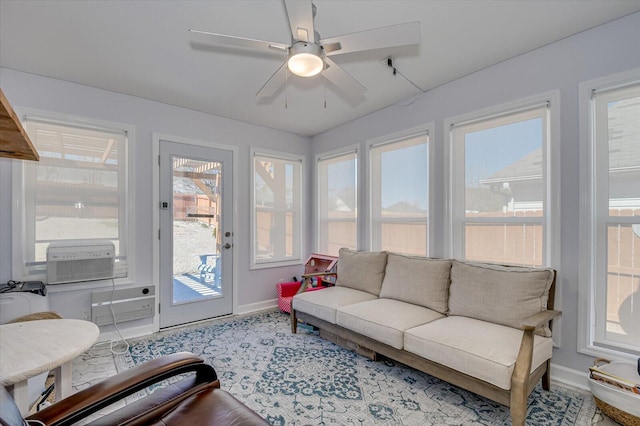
327 156
594 218
298 241
374 182
125 269
455 178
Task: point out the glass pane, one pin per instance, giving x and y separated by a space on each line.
406 238
337 204
274 234
339 234
277 209
510 244
400 195
624 157
78 185
196 237
623 284
404 176
341 189
504 169
264 248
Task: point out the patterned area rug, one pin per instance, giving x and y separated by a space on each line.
301 379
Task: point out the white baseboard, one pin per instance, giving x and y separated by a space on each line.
259 306
569 376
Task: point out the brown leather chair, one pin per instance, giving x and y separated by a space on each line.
195 399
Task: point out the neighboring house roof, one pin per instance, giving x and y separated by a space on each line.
526 168
624 151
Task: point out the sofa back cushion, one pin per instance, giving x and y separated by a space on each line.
418 280
500 294
361 270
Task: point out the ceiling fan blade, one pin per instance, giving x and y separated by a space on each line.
274 82
300 13
248 43
377 38
348 85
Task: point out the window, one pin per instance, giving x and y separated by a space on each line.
613 230
277 205
399 182
337 203
79 189
500 174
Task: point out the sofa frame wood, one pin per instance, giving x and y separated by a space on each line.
523 380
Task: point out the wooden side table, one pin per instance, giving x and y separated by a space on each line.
34 347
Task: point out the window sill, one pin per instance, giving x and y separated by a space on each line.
612 354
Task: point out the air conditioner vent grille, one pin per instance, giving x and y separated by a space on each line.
75 261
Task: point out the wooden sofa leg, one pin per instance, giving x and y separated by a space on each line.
546 378
294 322
518 414
520 379
518 406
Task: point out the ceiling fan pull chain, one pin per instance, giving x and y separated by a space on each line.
286 86
324 76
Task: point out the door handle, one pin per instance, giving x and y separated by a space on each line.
227 245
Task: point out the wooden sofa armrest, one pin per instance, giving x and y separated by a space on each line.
540 319
115 388
521 382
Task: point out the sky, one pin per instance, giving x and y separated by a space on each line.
490 150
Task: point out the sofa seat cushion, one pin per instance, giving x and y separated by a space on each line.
384 320
480 349
418 280
324 303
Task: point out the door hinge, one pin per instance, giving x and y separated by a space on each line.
158 234
159 306
158 160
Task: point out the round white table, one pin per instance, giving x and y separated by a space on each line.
34 347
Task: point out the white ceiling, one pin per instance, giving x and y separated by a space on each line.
143 48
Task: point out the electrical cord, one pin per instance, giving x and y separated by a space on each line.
396 72
11 284
112 343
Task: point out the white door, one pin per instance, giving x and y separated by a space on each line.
196 223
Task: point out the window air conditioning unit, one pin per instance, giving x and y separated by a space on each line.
80 260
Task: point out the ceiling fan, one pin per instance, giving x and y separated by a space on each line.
309 55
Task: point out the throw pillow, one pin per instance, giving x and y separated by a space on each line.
499 294
418 280
361 270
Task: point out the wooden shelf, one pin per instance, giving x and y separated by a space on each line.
14 141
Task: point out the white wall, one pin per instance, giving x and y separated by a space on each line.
256 287
608 49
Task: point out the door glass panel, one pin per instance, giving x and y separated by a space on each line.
196 224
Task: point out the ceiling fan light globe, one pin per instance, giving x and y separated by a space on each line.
305 64
305 59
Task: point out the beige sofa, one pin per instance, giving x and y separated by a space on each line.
483 327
